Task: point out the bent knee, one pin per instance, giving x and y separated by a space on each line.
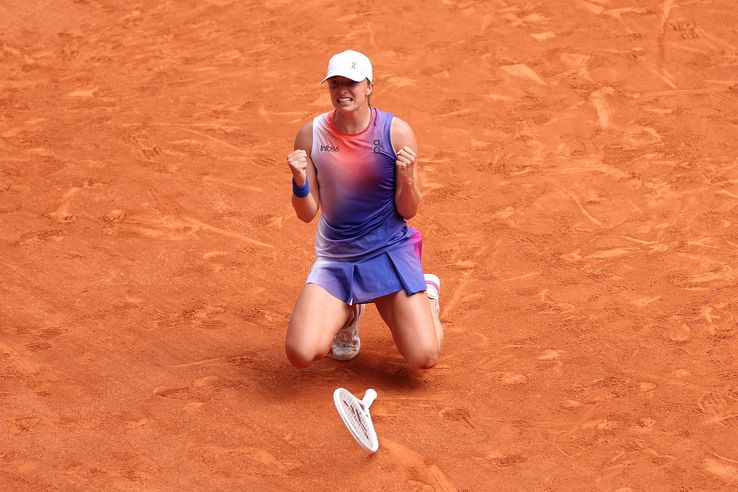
301 356
298 360
423 360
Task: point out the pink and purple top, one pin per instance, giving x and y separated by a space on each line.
356 174
364 247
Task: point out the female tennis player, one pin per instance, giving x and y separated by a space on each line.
358 165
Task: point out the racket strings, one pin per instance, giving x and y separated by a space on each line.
357 419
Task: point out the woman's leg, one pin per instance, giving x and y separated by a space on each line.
316 319
415 326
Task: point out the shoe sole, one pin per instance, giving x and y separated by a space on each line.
358 348
433 280
346 359
436 283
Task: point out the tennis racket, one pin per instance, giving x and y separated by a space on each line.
355 414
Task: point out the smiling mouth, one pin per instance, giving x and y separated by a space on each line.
344 100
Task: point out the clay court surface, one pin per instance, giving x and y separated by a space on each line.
580 174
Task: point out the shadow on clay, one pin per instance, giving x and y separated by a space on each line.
273 377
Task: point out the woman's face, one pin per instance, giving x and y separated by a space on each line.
347 95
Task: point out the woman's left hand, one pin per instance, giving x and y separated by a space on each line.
405 163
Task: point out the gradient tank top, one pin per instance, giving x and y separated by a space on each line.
356 175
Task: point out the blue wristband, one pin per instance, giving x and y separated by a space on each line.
300 191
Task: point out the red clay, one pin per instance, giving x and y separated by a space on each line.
580 171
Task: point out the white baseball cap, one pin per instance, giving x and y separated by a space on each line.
350 64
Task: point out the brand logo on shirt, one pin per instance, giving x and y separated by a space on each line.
377 147
329 148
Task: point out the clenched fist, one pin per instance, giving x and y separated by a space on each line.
298 165
405 162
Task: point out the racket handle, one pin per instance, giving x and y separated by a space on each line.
369 398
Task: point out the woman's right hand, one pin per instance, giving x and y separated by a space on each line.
298 165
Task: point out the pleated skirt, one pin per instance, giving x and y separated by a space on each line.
357 282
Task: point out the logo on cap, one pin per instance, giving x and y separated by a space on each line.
353 65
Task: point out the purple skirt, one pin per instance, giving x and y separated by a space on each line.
357 282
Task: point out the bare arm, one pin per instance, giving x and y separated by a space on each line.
407 187
303 170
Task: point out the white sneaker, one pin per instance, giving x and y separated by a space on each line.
433 290
346 343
